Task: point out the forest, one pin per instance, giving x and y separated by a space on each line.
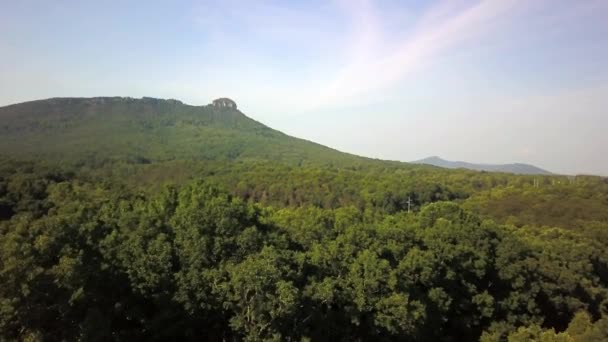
479 256
150 220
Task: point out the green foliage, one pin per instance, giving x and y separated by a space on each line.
562 204
580 329
583 329
98 131
87 260
199 234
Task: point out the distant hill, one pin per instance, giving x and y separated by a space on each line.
517 168
102 130
149 130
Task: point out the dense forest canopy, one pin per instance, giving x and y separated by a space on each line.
126 219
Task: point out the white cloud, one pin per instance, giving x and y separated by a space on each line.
374 67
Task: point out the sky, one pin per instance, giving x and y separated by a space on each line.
486 81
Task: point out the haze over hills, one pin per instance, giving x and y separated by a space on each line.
516 168
146 130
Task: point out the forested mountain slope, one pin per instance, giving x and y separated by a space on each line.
144 219
148 130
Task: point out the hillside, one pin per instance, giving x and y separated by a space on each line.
148 130
145 219
517 168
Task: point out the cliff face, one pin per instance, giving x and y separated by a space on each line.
224 103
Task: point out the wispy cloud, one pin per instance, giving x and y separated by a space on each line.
379 59
364 58
373 67
350 51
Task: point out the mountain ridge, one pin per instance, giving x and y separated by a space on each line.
143 130
515 168
149 129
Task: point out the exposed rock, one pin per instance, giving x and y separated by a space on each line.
224 102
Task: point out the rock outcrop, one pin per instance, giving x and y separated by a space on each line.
224 103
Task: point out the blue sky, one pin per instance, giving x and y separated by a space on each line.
493 81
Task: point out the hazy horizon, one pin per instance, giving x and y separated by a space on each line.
490 82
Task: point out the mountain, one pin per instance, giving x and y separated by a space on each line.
105 130
149 130
517 168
